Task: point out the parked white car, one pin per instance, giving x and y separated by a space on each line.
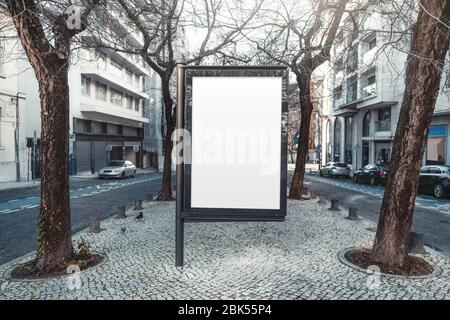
118 169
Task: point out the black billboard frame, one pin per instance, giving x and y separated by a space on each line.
184 211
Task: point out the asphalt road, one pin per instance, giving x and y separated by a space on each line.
89 197
433 223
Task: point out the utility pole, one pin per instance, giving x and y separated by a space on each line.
17 136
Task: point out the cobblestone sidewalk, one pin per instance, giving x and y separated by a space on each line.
296 259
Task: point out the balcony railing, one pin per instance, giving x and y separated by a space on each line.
369 90
384 125
352 95
338 101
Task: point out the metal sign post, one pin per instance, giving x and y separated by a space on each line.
231 99
179 227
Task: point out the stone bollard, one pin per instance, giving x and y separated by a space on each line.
334 205
353 214
121 213
416 243
94 225
305 193
322 199
138 205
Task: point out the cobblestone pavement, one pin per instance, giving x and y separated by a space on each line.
441 205
296 259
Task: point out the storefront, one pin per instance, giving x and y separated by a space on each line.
436 152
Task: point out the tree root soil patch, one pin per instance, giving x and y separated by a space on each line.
30 271
414 266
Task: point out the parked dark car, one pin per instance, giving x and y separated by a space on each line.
435 180
335 169
373 174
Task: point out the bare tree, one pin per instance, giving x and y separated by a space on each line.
301 37
430 43
46 30
163 26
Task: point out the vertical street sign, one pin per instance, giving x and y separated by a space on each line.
231 144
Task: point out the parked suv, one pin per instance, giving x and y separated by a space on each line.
373 174
335 169
435 180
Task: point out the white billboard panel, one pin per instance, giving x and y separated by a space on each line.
236 145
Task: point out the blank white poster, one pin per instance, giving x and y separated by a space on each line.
236 142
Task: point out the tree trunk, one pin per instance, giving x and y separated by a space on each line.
166 192
54 226
50 64
423 77
306 107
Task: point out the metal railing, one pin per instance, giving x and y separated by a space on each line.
369 90
384 125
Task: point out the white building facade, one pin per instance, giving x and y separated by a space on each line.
17 98
367 88
115 102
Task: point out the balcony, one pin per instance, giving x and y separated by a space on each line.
107 77
131 62
369 91
103 110
338 101
352 95
383 126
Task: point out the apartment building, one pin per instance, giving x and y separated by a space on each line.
107 104
17 97
112 98
367 83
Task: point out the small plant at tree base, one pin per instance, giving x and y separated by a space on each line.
84 249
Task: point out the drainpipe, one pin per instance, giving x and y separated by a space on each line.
17 136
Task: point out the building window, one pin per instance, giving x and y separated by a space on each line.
365 153
100 91
337 93
85 86
0 127
352 89
2 60
104 128
436 145
116 68
339 66
137 104
129 76
369 83
372 43
383 152
348 140
86 126
143 84
366 125
101 58
129 102
384 120
447 80
352 63
116 97
337 140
